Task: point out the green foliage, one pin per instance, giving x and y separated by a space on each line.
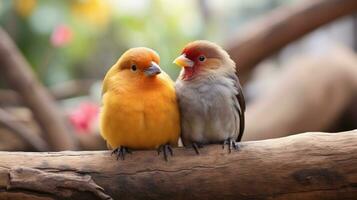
101 30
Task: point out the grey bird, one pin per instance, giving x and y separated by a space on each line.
210 96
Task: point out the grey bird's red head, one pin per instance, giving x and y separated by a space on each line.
203 58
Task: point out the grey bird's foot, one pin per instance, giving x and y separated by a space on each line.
165 148
231 143
196 146
120 152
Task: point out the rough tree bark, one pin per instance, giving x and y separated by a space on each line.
17 73
279 28
305 166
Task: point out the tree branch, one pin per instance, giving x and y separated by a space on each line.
17 73
34 141
281 27
60 91
304 166
310 94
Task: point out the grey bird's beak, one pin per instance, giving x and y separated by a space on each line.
153 70
183 61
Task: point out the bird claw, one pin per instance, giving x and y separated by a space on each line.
165 148
231 144
120 152
196 146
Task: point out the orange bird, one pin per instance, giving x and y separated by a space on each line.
140 109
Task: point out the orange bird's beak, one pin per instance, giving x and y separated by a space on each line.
152 70
183 61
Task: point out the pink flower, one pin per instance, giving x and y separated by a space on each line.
61 36
84 117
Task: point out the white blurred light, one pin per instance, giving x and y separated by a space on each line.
45 18
125 7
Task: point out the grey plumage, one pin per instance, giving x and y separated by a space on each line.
212 104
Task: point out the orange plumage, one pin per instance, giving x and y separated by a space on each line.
140 109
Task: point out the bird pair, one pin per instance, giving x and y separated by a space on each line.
144 109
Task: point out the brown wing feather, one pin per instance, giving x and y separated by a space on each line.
241 112
240 108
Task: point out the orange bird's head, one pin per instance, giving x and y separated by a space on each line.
139 62
137 65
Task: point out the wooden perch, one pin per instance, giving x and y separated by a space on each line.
305 166
17 73
282 26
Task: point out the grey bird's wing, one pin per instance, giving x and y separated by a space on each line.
240 107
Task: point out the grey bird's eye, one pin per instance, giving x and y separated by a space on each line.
133 68
201 58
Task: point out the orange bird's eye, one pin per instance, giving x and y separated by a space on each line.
133 68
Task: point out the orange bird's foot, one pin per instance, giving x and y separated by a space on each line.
165 148
120 152
231 143
196 146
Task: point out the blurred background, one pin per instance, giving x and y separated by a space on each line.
295 58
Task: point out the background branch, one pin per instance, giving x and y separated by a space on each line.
281 27
17 73
34 141
310 94
60 91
